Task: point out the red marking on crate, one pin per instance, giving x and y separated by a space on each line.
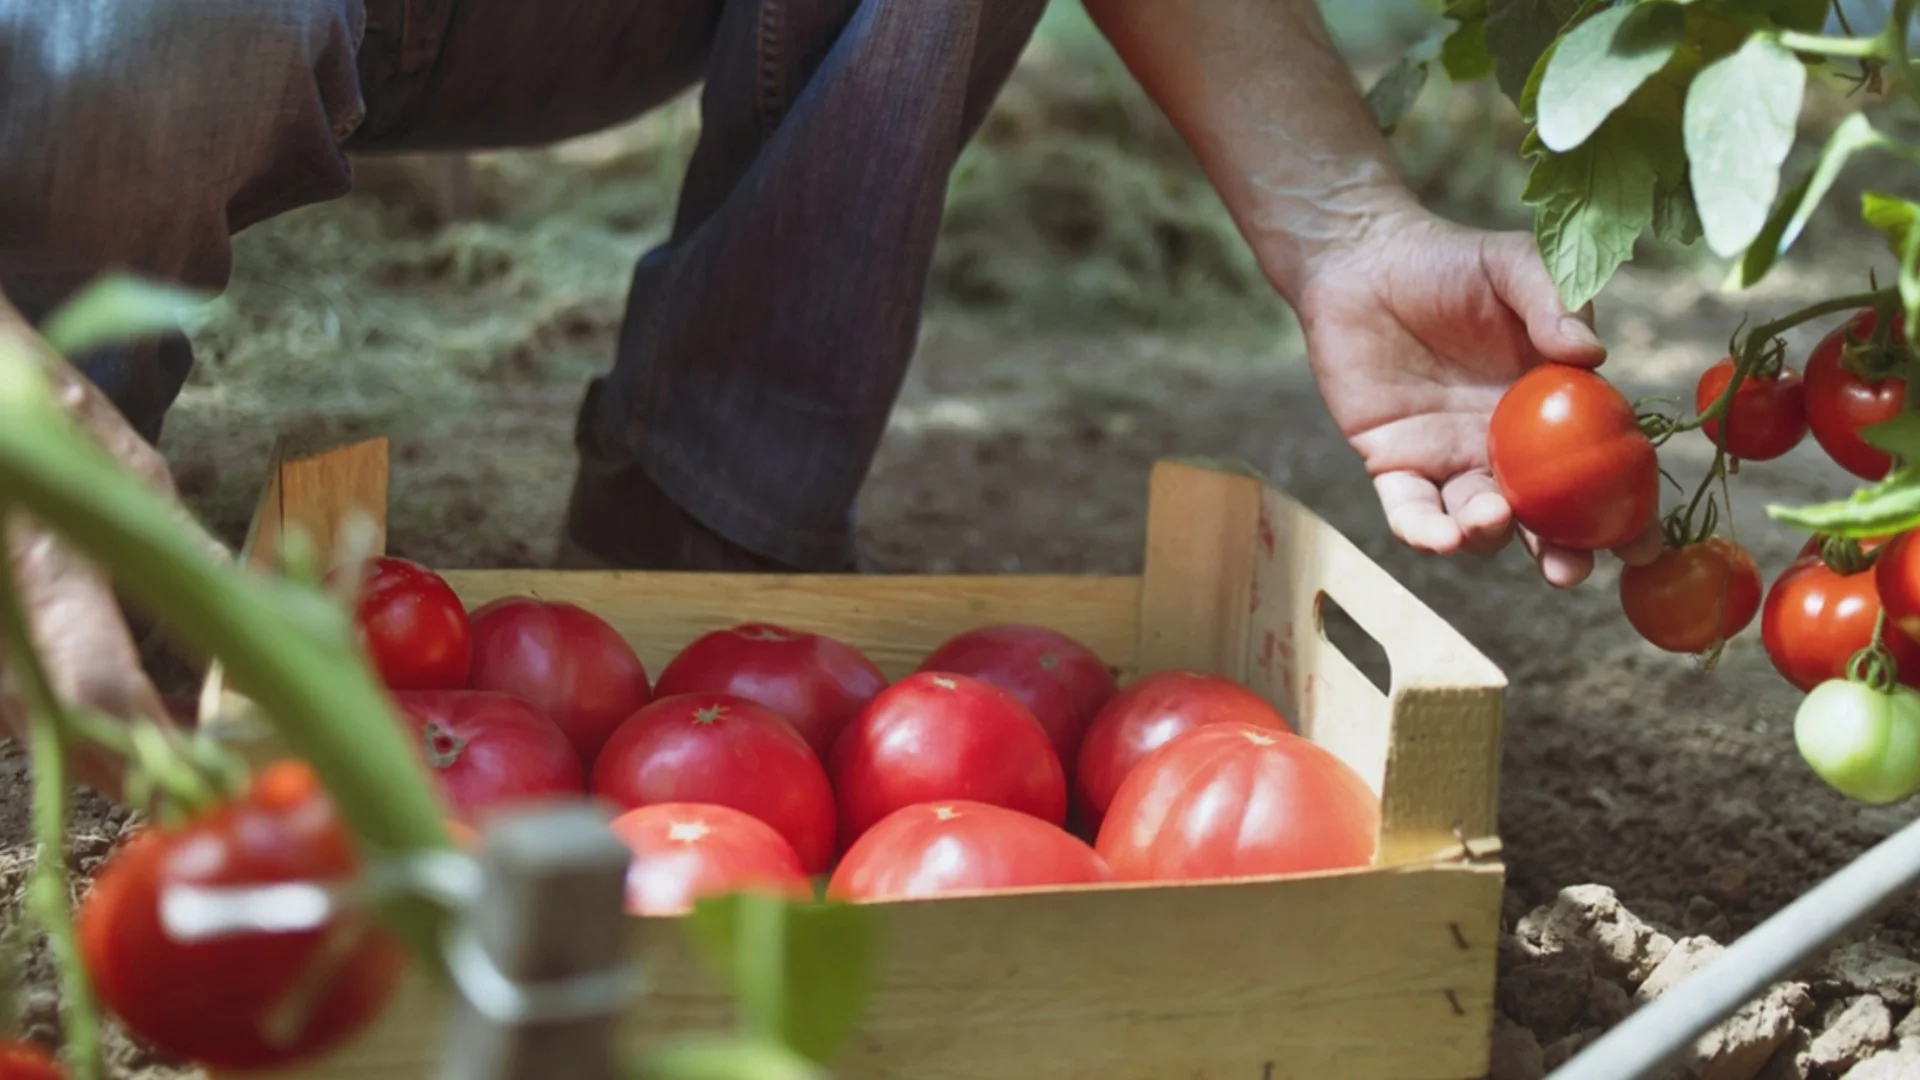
1266 531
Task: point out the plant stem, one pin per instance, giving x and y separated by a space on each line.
287 648
48 893
1753 349
1855 48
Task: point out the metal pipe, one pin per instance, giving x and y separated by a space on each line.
1659 1032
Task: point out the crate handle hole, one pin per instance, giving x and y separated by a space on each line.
1340 630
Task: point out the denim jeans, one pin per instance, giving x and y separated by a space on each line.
764 342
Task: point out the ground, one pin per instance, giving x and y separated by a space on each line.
1091 312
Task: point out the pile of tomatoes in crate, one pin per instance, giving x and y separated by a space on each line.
766 757
1580 469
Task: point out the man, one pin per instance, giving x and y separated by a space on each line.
765 341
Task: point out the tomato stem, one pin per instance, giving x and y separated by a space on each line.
48 891
1875 665
1757 347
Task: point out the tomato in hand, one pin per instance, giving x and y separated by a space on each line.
28 1061
725 750
816 682
1815 619
1864 743
1568 453
1238 800
1060 681
1896 577
412 626
490 750
563 659
683 852
1694 597
934 849
1767 416
215 1000
933 737
1152 711
1840 402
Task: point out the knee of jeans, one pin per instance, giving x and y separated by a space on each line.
141 133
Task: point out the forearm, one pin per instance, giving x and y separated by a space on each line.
1271 111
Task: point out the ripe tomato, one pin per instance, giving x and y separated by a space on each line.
412 626
726 750
28 1061
1060 681
1693 597
814 681
685 851
1152 711
1238 800
565 660
1767 417
1896 577
214 1000
1571 460
490 750
933 737
1814 620
933 849
1840 403
1863 743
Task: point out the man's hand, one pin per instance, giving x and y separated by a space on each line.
78 628
1415 328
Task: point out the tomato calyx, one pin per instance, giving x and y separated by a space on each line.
1874 357
1846 556
443 748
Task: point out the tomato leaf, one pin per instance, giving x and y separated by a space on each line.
1519 32
1900 435
1675 219
727 1059
1599 65
1741 116
801 971
1791 216
1762 253
118 308
1892 215
1890 506
1464 53
1590 207
1393 96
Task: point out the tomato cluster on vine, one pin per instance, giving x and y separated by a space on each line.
1579 467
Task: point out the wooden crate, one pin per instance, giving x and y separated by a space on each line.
1380 974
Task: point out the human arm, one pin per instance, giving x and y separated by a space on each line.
1415 326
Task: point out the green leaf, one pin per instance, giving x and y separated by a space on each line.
801 971
1808 16
1591 205
1890 506
1464 53
727 1059
1599 65
1790 217
1519 32
1892 215
118 308
1741 116
1899 436
1675 219
1392 98
1910 287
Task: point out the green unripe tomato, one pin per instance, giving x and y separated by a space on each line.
1864 743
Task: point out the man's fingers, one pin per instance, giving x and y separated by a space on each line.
1512 263
1474 501
1562 568
1645 548
1416 514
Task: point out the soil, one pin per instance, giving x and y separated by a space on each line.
1091 312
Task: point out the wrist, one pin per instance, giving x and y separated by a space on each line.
1304 233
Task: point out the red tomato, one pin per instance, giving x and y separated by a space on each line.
563 659
816 682
1238 800
490 750
28 1061
1571 460
1060 681
211 1000
685 851
1814 620
933 849
1766 418
412 626
1840 403
1152 711
725 750
932 737
1691 598
1896 577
